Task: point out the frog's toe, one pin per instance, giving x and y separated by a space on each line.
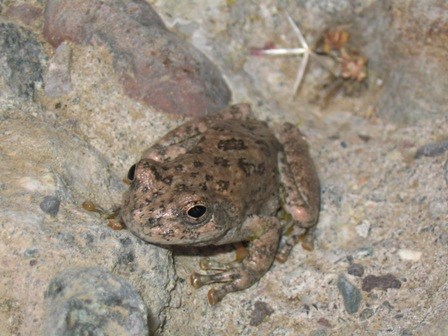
215 295
198 280
233 279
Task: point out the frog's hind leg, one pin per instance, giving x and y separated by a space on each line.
239 275
301 192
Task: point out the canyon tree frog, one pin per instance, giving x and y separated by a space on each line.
223 179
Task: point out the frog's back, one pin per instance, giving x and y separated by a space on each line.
239 161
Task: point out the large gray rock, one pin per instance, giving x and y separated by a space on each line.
93 302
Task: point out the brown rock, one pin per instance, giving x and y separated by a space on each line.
382 282
154 64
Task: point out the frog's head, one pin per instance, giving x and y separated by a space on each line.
161 208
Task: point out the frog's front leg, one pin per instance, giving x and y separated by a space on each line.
301 186
264 235
181 139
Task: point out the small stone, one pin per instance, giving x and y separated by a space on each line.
366 314
91 301
350 294
363 229
387 305
324 322
356 270
383 282
261 310
411 255
364 252
57 79
432 149
31 253
50 205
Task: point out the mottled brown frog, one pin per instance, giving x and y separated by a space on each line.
223 179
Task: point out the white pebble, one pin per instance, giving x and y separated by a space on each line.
411 255
363 229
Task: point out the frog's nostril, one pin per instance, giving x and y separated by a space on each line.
197 211
131 173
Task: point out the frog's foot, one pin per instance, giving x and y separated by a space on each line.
298 235
238 275
234 279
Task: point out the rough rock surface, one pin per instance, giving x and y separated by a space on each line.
384 208
41 162
154 64
93 302
21 61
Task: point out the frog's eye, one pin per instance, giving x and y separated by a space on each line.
131 172
197 213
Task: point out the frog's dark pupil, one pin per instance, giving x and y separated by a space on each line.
197 211
131 172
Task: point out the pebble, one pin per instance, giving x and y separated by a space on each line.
411 255
57 79
261 310
432 149
350 294
154 65
383 282
50 205
363 229
356 270
366 314
91 301
31 252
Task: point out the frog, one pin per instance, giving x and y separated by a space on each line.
221 179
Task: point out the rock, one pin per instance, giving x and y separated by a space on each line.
366 314
50 205
350 294
94 302
406 254
356 270
383 282
40 166
432 149
21 59
363 229
261 310
57 78
154 64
